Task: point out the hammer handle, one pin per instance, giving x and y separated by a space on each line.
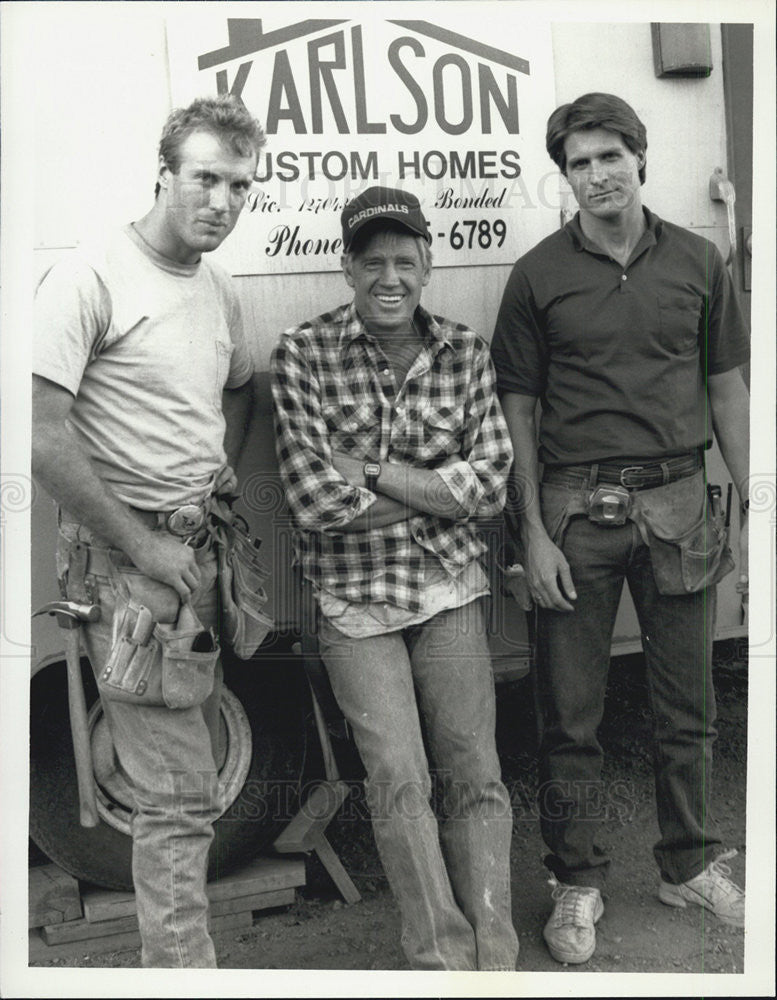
80 733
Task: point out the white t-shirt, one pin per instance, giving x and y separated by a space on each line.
146 346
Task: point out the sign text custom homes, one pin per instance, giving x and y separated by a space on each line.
348 103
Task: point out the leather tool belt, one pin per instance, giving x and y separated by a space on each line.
632 475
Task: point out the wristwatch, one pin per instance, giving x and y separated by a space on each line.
371 473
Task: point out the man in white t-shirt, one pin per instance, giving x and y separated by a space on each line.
141 392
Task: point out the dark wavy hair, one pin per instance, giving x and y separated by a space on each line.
595 111
225 117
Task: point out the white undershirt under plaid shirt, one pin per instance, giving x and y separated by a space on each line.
334 390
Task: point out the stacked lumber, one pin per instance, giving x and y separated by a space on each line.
62 912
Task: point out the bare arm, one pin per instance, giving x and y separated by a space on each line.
383 512
236 405
67 474
547 570
403 491
422 489
730 406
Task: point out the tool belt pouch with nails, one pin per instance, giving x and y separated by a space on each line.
161 654
242 575
688 553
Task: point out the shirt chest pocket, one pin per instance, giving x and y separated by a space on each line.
433 434
201 368
353 428
679 315
224 350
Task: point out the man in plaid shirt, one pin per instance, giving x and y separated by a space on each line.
391 446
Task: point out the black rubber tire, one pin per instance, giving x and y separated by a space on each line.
273 697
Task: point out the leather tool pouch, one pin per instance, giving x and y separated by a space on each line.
242 575
609 506
189 657
688 553
161 654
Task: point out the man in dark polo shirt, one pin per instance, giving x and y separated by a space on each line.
627 330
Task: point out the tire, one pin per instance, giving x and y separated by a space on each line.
262 752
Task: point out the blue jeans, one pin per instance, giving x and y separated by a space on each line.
573 657
452 881
168 758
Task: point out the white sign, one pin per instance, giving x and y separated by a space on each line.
432 99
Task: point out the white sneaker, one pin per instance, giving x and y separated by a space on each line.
570 933
712 889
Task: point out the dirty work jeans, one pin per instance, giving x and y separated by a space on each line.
571 675
168 758
452 882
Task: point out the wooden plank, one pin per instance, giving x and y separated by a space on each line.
337 873
264 874
53 896
261 876
259 901
123 906
41 951
331 769
302 833
105 905
83 930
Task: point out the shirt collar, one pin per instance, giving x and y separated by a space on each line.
353 327
581 242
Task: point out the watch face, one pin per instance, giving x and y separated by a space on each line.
371 468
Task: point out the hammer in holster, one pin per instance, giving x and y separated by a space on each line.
70 615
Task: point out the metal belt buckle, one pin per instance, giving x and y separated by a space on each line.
633 469
185 520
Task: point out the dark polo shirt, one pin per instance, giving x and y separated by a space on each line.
619 356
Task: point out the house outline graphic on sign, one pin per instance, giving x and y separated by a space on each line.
247 38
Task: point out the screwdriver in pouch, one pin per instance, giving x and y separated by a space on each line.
714 493
144 626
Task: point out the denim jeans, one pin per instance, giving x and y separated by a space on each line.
573 658
452 881
168 758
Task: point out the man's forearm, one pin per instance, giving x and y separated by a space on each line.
519 415
67 474
383 512
236 404
419 489
730 406
415 490
547 570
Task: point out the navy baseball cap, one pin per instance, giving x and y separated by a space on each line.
378 203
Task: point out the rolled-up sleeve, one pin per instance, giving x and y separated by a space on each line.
319 497
479 482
